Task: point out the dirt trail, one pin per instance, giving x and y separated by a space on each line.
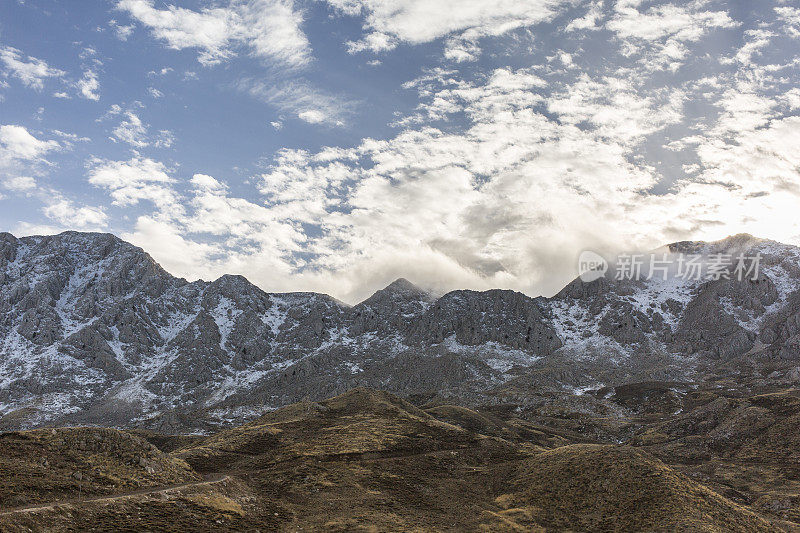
211 479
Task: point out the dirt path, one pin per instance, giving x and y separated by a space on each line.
208 480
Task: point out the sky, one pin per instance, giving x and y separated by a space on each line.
335 145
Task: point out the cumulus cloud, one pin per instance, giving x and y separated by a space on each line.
388 23
122 31
270 29
236 236
19 183
165 242
665 21
132 131
790 16
513 181
664 29
68 215
134 180
510 201
590 21
617 107
312 116
21 152
32 72
204 182
757 40
88 86
526 192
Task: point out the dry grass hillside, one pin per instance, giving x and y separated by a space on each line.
370 461
611 488
50 464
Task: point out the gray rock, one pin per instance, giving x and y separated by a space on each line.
92 330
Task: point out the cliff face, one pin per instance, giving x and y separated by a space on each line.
93 330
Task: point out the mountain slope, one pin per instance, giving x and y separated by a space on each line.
367 460
92 330
604 488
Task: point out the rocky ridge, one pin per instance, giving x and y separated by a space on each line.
92 330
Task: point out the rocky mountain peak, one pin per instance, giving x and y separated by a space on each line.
399 289
401 284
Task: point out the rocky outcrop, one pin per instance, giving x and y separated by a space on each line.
707 329
781 332
504 317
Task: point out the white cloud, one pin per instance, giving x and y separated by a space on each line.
155 93
71 216
18 147
24 229
30 71
134 132
164 139
140 178
33 72
616 107
525 193
312 116
514 178
271 29
163 72
665 21
122 31
180 255
88 85
204 182
517 185
542 170
21 152
790 16
664 29
792 99
245 238
301 100
19 183
461 51
590 21
388 23
68 139
757 40
131 131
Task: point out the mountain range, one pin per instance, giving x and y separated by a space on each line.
94 331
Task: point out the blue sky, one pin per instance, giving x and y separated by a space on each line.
334 145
